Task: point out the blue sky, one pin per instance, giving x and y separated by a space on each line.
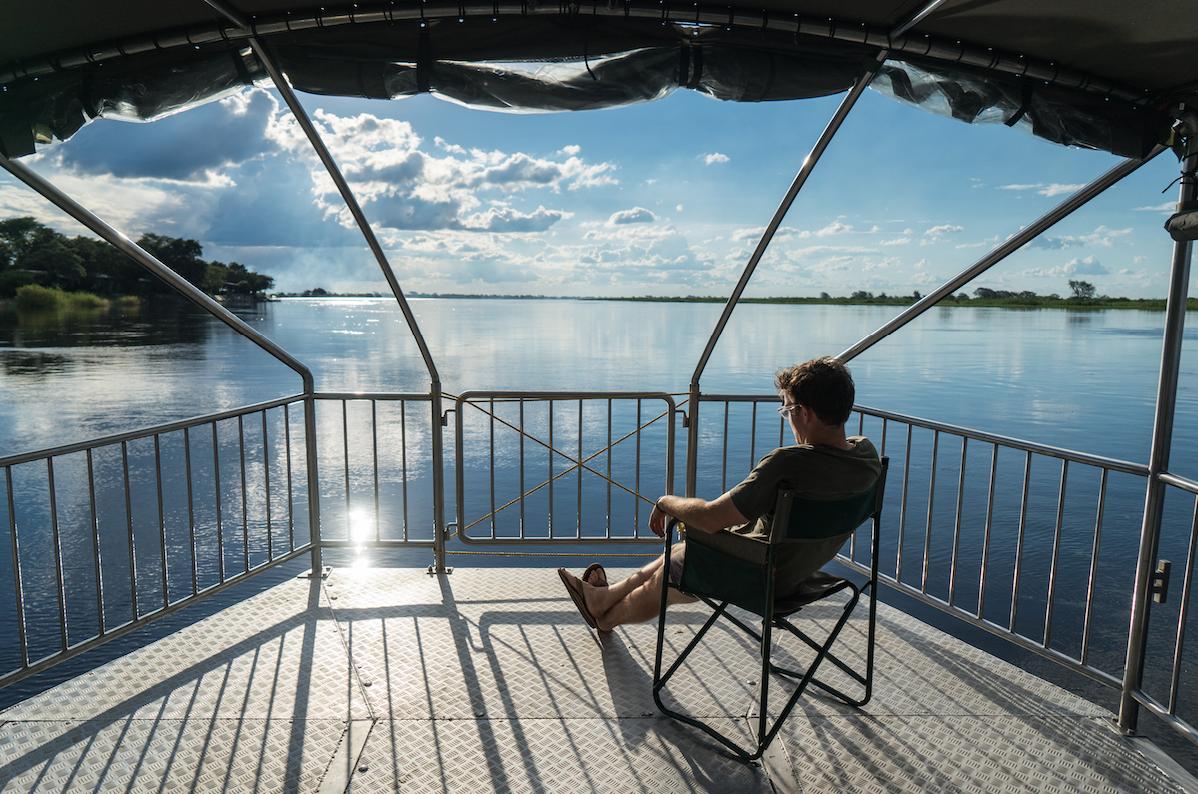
663 198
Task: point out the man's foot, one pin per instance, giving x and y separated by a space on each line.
595 575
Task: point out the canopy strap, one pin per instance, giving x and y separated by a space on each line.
1024 104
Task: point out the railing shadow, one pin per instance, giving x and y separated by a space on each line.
91 728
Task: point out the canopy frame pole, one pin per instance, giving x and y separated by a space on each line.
1005 249
800 179
145 259
355 209
1162 441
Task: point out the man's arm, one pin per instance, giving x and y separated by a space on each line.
696 513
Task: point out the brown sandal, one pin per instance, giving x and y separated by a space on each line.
593 572
576 595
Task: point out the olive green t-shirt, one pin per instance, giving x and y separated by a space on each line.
814 471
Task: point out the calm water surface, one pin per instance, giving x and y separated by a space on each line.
1080 380
1083 380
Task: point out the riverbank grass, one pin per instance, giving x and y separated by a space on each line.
34 297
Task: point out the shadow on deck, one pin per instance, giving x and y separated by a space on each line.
384 679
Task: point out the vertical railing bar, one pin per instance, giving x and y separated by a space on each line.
607 523
522 497
898 560
986 531
883 452
952 567
550 456
270 532
1027 477
374 456
1183 612
290 502
578 478
166 601
191 514
403 461
861 423
491 466
129 529
1093 577
636 502
724 470
1056 553
61 593
245 513
220 533
927 532
781 430
345 464
15 546
96 561
753 441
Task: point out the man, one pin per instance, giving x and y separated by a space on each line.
817 398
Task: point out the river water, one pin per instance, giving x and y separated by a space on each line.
1080 380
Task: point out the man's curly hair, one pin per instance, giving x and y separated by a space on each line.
822 384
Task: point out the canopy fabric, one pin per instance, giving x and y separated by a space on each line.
1095 73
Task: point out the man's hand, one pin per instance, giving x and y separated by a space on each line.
658 520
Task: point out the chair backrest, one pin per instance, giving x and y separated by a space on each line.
802 517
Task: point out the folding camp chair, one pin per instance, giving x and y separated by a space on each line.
724 568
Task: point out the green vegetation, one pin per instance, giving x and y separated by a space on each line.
83 272
1084 297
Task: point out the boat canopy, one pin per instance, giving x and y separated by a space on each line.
1103 74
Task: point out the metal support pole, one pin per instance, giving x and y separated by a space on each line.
193 294
809 163
1162 439
1010 246
355 209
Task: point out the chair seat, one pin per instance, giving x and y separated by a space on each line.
815 587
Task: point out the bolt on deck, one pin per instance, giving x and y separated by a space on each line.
385 679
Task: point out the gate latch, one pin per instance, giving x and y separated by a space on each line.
1160 581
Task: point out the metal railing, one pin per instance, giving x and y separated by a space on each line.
368 486
1165 675
611 418
1006 535
151 539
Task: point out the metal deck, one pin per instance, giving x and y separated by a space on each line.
389 679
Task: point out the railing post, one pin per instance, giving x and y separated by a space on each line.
692 439
438 453
1162 438
313 477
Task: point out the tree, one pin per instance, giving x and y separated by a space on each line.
180 255
825 296
1082 290
915 294
862 295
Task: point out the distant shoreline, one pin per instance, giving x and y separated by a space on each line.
1038 302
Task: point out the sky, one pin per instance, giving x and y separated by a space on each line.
662 198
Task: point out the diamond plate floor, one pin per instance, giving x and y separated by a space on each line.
487 680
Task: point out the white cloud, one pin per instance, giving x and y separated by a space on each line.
634 215
1078 266
715 158
903 239
1044 189
506 219
934 234
677 208
1167 208
1102 237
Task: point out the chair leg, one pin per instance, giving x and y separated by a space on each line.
763 703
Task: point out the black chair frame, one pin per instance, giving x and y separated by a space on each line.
775 617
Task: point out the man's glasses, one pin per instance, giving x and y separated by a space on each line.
785 409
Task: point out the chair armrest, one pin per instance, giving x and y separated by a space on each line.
741 547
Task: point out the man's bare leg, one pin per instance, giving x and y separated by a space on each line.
632 600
